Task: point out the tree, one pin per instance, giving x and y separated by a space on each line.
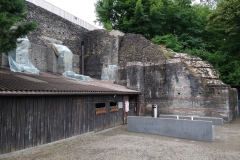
211 3
12 14
223 39
154 18
224 22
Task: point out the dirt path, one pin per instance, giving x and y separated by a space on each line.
122 145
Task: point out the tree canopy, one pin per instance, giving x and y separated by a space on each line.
12 14
209 29
151 17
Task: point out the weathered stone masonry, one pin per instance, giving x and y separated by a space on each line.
101 50
52 29
179 83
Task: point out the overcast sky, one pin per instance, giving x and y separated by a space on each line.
83 9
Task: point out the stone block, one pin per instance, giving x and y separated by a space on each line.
135 75
52 64
76 64
38 56
4 60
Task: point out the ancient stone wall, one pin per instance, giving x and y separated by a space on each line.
101 50
52 27
135 48
39 56
178 88
4 60
178 83
233 103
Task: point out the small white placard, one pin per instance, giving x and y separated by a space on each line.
120 105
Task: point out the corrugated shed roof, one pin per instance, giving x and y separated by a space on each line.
47 83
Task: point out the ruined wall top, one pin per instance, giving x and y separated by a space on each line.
134 47
198 67
53 28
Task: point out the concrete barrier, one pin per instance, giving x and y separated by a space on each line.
214 120
188 129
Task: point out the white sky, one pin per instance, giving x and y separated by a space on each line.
83 9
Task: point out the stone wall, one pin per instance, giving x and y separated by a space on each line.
101 50
45 59
4 60
135 48
39 56
178 83
181 89
52 27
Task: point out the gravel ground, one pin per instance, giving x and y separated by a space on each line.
118 144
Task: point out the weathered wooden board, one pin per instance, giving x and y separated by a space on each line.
113 109
28 121
100 111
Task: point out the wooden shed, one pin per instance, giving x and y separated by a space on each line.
39 109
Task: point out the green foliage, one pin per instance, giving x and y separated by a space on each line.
224 24
228 68
156 17
12 12
171 41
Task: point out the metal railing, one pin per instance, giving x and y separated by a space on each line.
58 11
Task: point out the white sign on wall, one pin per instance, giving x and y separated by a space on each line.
120 105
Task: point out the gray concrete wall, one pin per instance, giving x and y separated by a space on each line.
188 129
215 121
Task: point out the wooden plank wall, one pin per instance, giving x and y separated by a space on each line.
109 119
35 120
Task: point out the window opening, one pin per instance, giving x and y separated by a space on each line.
100 108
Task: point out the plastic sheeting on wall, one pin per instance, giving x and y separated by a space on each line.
65 56
71 74
109 73
19 58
